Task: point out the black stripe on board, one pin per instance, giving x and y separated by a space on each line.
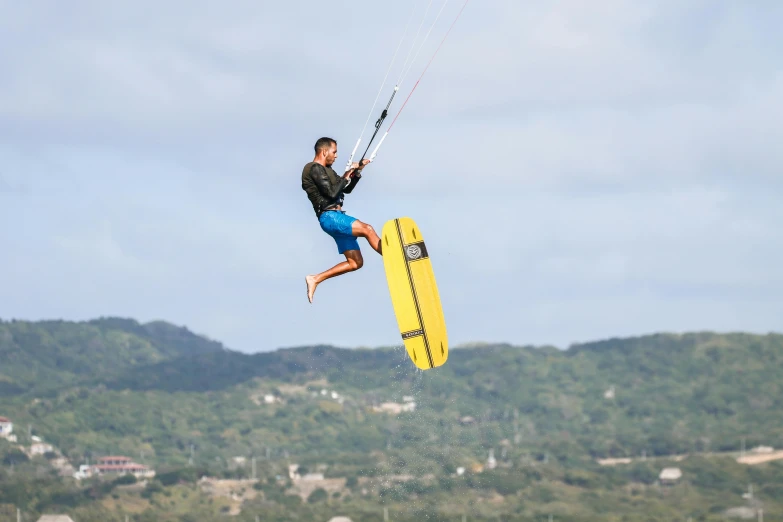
415 297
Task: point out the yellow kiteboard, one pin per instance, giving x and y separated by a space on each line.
414 293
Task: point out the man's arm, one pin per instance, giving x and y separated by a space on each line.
321 180
356 176
354 180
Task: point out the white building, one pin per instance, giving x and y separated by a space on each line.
40 448
491 462
670 475
6 426
85 471
395 408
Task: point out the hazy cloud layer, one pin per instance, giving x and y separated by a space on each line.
579 171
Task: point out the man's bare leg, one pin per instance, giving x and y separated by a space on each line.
366 231
353 261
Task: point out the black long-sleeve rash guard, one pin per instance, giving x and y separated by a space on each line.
324 187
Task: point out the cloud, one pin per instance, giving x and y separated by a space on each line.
579 170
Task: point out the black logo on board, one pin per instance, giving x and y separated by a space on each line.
416 251
413 333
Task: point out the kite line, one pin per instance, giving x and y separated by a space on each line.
403 74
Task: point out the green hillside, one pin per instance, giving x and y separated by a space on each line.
157 393
44 356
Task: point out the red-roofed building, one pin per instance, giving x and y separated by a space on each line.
118 465
6 426
114 461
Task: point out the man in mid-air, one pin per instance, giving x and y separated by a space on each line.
326 191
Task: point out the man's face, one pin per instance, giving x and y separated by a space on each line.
331 154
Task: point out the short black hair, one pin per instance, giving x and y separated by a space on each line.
323 143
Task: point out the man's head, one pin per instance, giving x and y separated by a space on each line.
326 151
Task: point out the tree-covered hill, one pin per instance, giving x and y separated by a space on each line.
39 357
670 393
114 386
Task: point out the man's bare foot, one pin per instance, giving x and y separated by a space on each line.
311 284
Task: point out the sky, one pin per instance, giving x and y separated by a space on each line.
579 170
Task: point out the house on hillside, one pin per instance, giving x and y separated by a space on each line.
491 462
84 472
41 448
55 518
6 426
394 407
293 474
670 475
121 466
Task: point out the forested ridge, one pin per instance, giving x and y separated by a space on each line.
543 416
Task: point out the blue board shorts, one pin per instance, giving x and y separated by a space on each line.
337 224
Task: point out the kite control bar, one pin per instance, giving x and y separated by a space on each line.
380 122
